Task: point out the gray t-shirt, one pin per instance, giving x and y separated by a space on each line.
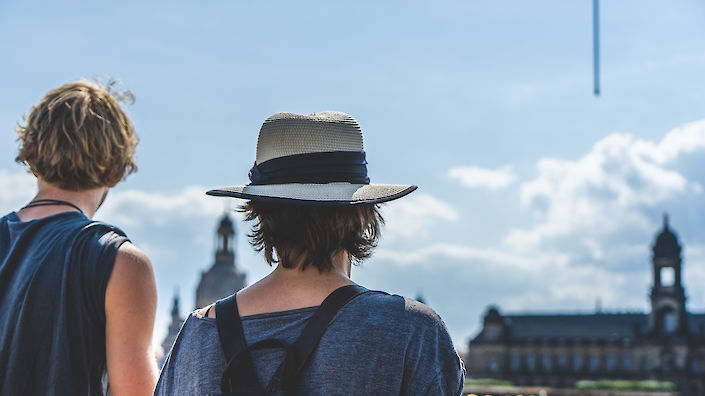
376 345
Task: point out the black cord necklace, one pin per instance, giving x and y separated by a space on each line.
48 202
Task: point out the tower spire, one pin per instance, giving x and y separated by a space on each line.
175 315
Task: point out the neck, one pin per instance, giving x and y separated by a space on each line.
290 288
340 272
87 200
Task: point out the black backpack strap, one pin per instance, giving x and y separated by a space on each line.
232 340
285 377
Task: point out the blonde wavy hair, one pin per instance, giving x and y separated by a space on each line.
78 137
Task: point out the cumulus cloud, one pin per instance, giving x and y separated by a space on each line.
607 191
476 177
138 208
413 217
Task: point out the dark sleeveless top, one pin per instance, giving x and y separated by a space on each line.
53 276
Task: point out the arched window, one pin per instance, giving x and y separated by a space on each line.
670 322
668 276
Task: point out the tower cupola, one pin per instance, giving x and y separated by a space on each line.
666 245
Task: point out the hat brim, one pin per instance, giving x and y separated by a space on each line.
317 194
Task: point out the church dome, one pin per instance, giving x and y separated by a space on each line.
226 226
667 242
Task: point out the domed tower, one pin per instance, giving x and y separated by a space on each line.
668 315
223 278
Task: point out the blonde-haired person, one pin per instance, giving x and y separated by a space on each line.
77 298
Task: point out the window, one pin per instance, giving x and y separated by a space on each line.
562 360
594 362
666 364
695 366
493 366
668 277
531 362
644 365
610 362
670 322
578 362
514 362
546 362
627 363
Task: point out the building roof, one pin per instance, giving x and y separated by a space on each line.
597 325
602 326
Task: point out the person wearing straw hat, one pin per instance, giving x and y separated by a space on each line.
307 328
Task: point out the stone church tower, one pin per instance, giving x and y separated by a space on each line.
668 315
223 278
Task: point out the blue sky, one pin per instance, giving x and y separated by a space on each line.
533 193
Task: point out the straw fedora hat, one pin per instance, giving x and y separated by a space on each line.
312 159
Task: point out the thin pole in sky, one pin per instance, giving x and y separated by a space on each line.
596 45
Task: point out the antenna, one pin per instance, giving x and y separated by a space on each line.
596 46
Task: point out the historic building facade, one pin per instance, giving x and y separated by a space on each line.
222 279
558 350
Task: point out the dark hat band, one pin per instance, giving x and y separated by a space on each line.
314 168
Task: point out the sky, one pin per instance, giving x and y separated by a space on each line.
534 195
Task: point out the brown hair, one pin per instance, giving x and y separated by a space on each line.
78 137
314 233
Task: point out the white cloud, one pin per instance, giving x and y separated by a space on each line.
137 208
16 189
476 177
607 190
413 217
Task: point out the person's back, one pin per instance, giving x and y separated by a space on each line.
76 297
377 344
315 214
54 272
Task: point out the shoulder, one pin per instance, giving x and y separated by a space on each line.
132 265
130 255
93 237
398 307
101 230
132 279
